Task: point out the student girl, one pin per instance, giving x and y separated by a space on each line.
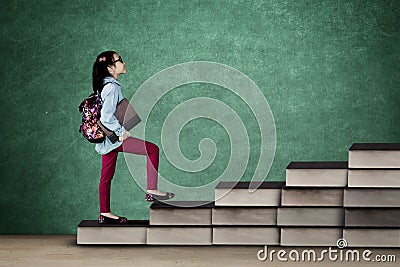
106 70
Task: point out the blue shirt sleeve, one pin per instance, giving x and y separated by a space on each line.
110 97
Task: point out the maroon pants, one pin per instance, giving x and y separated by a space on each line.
109 160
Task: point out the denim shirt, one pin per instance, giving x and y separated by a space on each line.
110 96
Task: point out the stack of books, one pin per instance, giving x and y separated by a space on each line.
180 223
372 199
311 212
243 217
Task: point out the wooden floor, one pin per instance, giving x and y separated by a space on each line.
61 250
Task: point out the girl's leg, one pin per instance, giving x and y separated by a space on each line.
108 162
141 147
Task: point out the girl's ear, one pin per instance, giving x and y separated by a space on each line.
110 70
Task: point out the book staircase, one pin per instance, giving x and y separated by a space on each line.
321 202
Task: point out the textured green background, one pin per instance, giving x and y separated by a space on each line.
329 69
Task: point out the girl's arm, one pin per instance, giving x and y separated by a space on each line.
109 96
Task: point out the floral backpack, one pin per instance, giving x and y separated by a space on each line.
90 109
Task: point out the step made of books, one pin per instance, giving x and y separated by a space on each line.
310 216
92 233
181 213
237 194
180 223
372 237
374 155
179 235
375 217
302 196
313 174
374 178
244 216
251 235
310 236
371 197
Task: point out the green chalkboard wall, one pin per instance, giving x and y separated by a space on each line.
330 71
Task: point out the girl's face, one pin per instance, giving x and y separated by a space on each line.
118 67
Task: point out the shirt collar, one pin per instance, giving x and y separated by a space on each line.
110 79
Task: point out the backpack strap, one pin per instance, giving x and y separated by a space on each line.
103 87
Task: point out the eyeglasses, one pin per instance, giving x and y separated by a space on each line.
119 59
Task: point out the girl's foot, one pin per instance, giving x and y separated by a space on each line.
157 192
111 218
153 195
110 215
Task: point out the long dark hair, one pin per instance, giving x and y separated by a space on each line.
100 70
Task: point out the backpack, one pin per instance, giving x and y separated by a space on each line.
90 109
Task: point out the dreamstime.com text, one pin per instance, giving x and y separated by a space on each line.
346 255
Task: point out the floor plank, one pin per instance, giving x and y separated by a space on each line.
61 250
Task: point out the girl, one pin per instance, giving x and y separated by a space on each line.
106 70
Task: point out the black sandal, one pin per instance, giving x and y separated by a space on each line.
105 219
154 197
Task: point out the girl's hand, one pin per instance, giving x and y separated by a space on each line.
124 136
